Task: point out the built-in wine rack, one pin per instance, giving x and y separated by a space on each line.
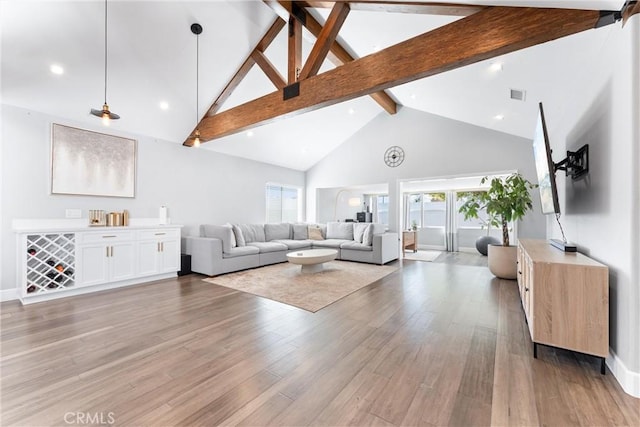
50 262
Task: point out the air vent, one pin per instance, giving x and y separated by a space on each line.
518 94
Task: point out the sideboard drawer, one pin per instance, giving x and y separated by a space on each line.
106 236
157 234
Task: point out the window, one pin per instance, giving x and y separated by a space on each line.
479 222
382 209
433 210
283 203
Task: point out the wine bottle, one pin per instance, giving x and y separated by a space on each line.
31 251
68 272
31 289
51 262
60 268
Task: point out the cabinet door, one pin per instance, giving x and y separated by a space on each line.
148 258
170 256
122 261
92 265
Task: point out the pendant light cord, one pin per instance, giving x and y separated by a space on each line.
105 51
197 77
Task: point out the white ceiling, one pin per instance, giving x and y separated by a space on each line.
152 55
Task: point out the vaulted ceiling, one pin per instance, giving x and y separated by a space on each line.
152 60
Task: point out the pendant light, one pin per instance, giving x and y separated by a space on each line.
197 30
104 113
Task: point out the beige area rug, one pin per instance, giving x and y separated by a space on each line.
421 255
310 291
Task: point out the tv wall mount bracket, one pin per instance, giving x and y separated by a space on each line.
576 164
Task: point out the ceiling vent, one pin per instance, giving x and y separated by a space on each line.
518 94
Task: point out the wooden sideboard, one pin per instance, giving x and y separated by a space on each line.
410 240
565 297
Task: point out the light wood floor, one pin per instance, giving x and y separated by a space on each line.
431 344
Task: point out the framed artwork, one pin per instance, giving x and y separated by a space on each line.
90 163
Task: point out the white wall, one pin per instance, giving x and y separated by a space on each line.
198 186
434 146
601 214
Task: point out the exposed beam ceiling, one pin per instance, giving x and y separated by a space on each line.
325 39
404 7
244 69
338 54
489 33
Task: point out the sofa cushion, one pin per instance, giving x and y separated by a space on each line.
295 244
378 228
359 229
315 233
265 247
239 237
252 232
234 241
356 246
222 232
241 251
277 231
340 230
300 231
367 236
330 243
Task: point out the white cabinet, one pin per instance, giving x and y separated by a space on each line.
70 262
105 257
158 251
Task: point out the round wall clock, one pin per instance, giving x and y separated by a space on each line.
394 156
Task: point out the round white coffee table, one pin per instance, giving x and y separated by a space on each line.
311 260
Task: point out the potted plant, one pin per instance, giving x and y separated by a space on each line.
506 200
414 225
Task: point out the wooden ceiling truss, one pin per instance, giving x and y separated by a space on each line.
484 32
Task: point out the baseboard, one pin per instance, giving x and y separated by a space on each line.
629 380
8 294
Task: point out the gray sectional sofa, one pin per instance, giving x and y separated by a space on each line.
231 247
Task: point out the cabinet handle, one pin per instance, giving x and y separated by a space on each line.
158 246
519 272
160 234
111 251
106 237
107 251
526 289
161 246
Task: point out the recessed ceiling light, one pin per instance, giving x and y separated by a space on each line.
164 105
496 66
56 69
499 117
250 133
352 111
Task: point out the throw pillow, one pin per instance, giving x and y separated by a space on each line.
367 235
358 231
239 237
315 233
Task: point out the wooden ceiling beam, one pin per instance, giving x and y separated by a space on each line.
629 9
244 69
492 32
268 68
448 9
294 65
337 53
325 39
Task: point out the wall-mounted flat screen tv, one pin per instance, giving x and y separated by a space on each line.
545 167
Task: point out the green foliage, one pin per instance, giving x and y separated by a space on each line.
506 200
